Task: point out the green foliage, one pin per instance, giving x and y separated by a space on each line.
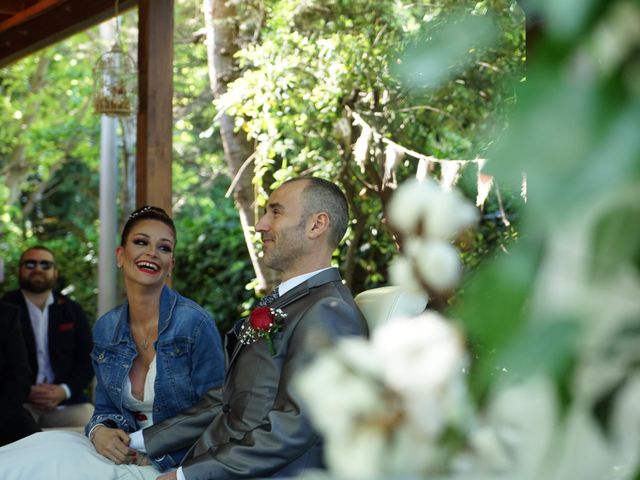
49 164
306 68
50 193
318 62
575 268
212 265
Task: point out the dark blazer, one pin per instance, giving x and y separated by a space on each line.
15 378
70 343
256 425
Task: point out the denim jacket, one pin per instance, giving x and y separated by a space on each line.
189 361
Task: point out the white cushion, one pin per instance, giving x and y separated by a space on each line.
383 304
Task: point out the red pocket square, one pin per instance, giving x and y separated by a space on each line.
65 327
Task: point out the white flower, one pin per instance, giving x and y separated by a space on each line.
438 264
412 246
423 350
444 213
449 215
382 405
423 360
406 208
410 452
359 454
401 273
338 391
358 355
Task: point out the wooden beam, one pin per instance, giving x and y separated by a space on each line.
24 14
11 6
49 21
155 121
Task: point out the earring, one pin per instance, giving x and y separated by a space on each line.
119 265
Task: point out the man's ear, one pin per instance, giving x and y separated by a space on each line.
319 224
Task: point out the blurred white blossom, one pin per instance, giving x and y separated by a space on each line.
441 213
354 381
429 217
423 360
432 262
384 405
438 264
407 206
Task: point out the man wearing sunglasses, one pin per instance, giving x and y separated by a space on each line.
58 341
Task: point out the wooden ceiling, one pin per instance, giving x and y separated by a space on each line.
8 8
29 25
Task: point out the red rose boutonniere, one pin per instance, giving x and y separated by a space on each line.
263 322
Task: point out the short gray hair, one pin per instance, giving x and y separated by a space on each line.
320 195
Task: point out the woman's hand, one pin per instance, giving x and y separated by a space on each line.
113 444
143 460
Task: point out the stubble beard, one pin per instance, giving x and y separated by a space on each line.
38 286
286 254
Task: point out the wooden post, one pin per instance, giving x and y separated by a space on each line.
155 121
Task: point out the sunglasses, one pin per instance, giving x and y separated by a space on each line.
32 264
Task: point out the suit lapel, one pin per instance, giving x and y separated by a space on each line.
293 295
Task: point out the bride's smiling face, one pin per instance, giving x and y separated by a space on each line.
147 254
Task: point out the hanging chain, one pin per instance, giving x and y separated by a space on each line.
117 19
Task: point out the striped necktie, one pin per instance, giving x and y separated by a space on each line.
269 299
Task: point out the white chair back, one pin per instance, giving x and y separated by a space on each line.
383 304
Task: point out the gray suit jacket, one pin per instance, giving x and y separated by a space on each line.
256 426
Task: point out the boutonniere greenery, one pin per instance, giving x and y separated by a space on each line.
263 323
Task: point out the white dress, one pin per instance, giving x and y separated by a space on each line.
144 407
64 455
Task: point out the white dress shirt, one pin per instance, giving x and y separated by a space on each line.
40 324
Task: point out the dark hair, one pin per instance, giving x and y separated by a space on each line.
320 195
36 247
147 213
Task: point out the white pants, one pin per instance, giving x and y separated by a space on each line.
67 416
63 455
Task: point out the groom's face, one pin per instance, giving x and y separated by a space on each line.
283 228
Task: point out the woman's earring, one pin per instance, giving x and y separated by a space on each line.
119 265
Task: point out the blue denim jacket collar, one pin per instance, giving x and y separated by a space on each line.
168 299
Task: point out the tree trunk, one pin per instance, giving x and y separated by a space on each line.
222 43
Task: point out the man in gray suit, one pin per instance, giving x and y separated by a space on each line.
255 425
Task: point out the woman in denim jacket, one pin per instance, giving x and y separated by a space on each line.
153 356
187 365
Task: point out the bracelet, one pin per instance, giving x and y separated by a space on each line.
93 431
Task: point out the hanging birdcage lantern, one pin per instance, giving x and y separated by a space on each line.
115 85
115 89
